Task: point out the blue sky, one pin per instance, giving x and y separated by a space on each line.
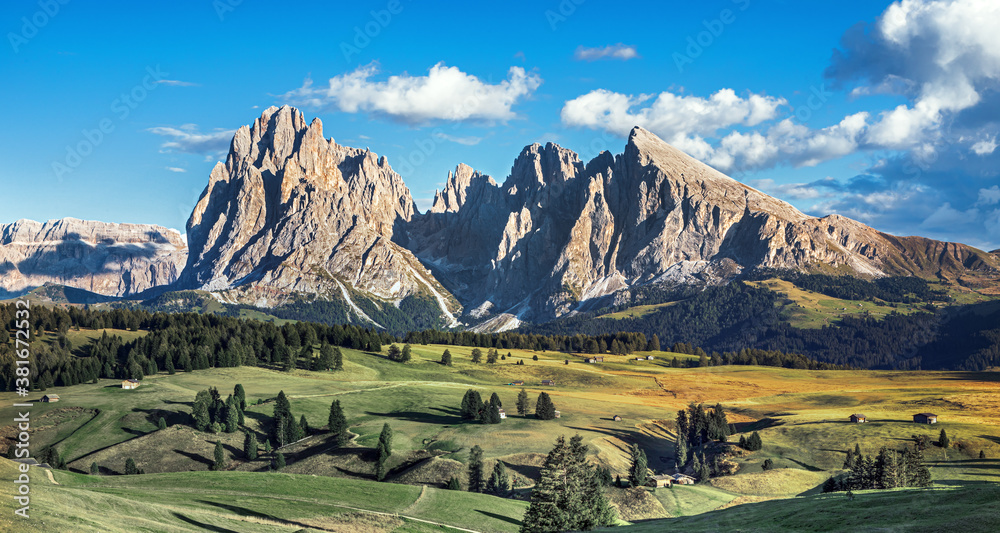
885 112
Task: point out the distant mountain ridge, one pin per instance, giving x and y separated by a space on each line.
103 258
291 217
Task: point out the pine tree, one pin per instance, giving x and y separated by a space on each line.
491 356
495 400
338 358
130 468
654 344
381 468
279 461
830 485
982 454
232 418
849 460
477 355
522 402
220 456
241 396
681 449
250 446
767 465
475 469
567 496
394 353
267 447
406 355
499 482
638 472
304 424
385 439
199 411
161 423
544 408
454 484
943 440
326 358
94 469
472 405
337 423
446 358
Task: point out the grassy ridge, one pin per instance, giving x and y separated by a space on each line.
238 501
974 508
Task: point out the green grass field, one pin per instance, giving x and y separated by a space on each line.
801 416
238 501
810 310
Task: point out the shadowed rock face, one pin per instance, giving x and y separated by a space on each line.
104 258
559 232
292 212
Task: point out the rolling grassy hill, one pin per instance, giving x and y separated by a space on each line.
246 502
801 416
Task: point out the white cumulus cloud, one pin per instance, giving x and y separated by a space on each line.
445 93
189 140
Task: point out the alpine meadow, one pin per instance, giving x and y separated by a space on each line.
523 267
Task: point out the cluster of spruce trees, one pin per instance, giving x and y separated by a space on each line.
498 484
176 342
569 495
383 450
210 413
889 469
474 408
629 342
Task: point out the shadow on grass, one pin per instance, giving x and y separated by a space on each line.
808 467
194 457
418 416
203 525
507 519
241 511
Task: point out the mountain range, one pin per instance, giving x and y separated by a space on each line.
291 216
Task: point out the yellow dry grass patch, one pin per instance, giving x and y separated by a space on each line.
778 482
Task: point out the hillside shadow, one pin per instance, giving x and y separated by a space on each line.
973 376
507 519
135 432
204 526
764 423
194 457
240 511
990 438
417 416
808 467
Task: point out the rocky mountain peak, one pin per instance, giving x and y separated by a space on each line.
461 183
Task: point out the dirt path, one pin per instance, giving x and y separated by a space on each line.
51 477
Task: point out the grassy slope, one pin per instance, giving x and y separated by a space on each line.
801 414
974 508
237 501
812 310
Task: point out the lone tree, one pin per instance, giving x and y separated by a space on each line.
161 424
250 446
568 495
454 483
96 470
638 472
477 355
338 423
544 408
491 356
220 456
406 354
385 439
475 468
279 461
446 358
767 465
522 403
943 440
130 468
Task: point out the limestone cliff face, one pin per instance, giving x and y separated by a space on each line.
104 258
291 212
559 233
